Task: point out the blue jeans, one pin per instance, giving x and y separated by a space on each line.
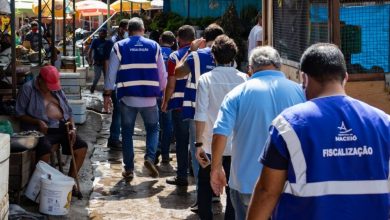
181 135
240 202
115 128
128 116
166 131
195 164
98 69
205 193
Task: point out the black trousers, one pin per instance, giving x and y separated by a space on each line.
205 193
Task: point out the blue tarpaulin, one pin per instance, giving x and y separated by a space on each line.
209 8
374 22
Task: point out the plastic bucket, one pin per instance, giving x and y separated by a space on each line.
34 186
56 195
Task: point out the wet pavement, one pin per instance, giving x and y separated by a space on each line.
144 197
107 195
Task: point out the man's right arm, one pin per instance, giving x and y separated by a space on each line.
109 82
21 105
223 127
90 52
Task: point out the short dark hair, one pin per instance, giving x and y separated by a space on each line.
186 33
34 23
324 62
168 37
224 49
123 23
212 32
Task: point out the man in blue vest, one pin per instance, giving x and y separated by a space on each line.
137 68
173 102
246 113
167 40
327 158
197 61
115 129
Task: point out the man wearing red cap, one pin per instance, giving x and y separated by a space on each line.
41 105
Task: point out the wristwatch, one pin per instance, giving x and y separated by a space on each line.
198 144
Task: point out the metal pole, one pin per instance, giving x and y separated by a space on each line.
74 27
39 30
64 28
53 31
188 10
108 15
131 10
121 9
13 61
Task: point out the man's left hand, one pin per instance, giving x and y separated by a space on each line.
218 180
107 103
72 136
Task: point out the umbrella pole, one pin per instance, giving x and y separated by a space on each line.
121 9
64 29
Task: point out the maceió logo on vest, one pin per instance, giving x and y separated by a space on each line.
345 135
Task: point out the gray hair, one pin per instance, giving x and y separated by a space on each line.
264 56
135 24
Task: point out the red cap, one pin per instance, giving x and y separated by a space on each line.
51 76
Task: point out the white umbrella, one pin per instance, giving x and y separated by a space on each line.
4 7
157 4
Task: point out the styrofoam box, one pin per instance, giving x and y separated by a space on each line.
71 90
4 206
78 106
73 96
79 119
4 163
4 146
70 79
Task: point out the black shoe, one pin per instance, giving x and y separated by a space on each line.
165 160
157 160
216 199
128 175
194 207
177 181
114 144
152 169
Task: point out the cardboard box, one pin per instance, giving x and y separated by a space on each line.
20 169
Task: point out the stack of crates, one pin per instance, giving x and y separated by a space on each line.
71 85
4 170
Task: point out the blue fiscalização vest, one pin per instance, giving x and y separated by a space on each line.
138 74
177 98
166 51
339 151
202 62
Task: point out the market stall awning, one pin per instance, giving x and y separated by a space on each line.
46 6
92 8
157 4
126 5
24 7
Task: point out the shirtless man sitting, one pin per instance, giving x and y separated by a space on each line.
41 105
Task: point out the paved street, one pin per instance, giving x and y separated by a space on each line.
142 198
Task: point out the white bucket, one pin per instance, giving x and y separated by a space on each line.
34 186
56 195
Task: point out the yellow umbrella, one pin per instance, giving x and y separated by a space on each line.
46 6
126 5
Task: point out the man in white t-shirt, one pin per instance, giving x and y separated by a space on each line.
211 90
255 37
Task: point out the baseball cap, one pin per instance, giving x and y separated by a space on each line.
51 76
